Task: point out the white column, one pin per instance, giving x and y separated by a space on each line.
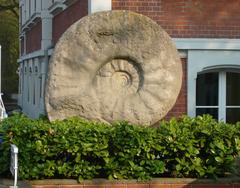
27 9
32 7
43 70
24 44
26 84
99 5
37 85
23 12
46 26
31 80
46 4
21 83
222 96
38 5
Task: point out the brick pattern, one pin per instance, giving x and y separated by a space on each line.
63 20
189 18
164 185
34 38
180 106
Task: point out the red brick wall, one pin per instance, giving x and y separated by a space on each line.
33 38
62 21
190 18
180 106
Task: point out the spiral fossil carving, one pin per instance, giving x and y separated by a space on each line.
120 75
111 66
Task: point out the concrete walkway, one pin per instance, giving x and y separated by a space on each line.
5 183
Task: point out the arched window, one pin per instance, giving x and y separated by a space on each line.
213 83
218 94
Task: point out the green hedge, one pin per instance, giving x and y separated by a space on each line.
76 148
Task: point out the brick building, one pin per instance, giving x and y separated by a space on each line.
206 33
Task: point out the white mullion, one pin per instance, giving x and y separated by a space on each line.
222 97
207 106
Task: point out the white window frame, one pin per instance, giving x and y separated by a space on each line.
207 55
97 6
202 60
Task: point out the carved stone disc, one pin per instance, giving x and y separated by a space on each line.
110 66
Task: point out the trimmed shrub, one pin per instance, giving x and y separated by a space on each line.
76 148
133 153
199 147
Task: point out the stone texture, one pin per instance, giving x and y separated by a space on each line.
110 66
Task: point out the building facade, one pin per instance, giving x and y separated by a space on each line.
206 33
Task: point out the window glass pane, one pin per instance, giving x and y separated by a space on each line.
233 115
211 111
207 89
233 89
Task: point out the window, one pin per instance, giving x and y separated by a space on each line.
218 94
207 94
213 71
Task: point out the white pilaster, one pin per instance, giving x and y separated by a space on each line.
24 43
38 5
23 12
44 66
20 86
46 26
38 81
32 7
30 82
27 9
99 5
222 96
46 4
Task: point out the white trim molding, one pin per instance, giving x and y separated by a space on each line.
39 53
98 5
69 2
33 19
207 44
56 7
36 54
207 54
207 60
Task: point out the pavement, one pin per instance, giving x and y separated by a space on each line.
6 183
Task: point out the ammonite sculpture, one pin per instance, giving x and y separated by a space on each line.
110 66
